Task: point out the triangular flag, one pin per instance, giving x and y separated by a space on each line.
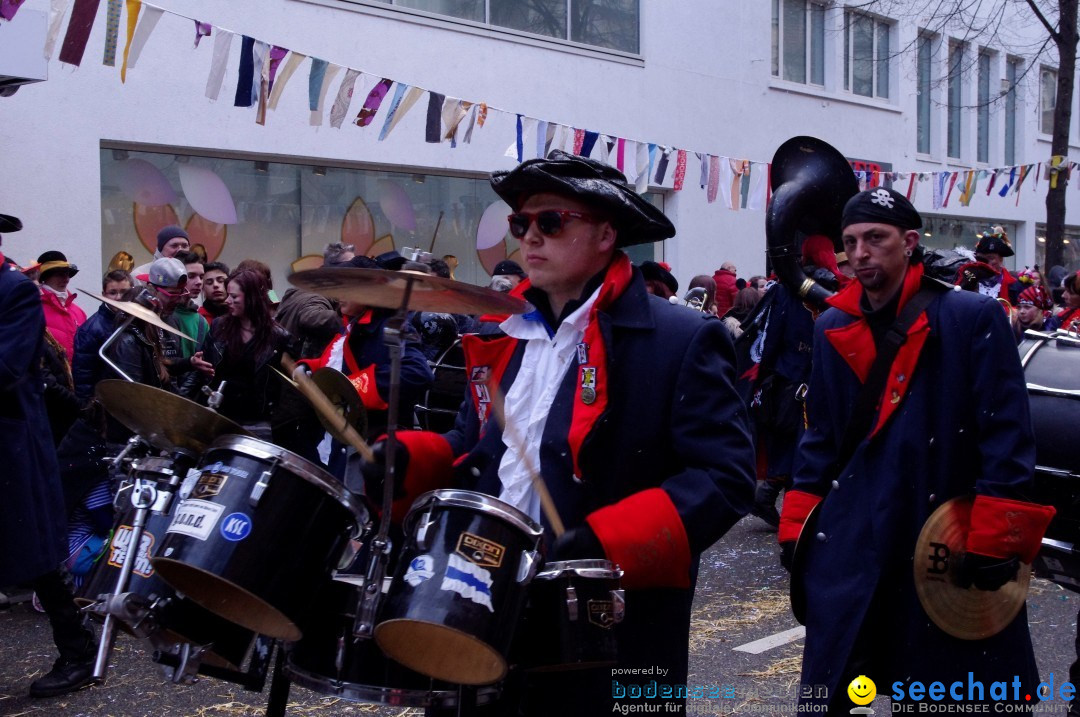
142 33
412 96
133 8
292 63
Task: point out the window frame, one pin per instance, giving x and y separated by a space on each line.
1014 68
924 115
813 47
982 109
877 83
954 145
1044 71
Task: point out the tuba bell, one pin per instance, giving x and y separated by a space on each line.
811 182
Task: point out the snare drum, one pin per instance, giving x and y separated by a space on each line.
331 661
261 528
439 409
460 586
570 622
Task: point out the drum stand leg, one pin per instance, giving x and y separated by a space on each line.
279 686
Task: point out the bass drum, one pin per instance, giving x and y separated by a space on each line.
441 402
1052 372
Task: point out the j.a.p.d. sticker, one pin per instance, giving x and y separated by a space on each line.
196 518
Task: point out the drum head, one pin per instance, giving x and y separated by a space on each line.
441 652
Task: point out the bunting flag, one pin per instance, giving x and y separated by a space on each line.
324 88
133 8
541 138
1024 171
549 137
57 10
340 108
911 186
644 164
246 77
952 183
680 169
1008 185
434 117
202 29
112 32
149 21
316 75
454 111
222 44
8 8
292 63
661 166
468 110
374 101
520 145
588 141
968 188
713 179
757 197
258 59
481 116
472 123
579 141
277 54
411 98
703 174
993 179
78 31
739 167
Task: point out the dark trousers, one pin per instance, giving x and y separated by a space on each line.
74 641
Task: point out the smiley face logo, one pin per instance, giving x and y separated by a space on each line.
862 690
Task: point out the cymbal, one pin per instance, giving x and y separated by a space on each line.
164 419
797 583
346 400
139 312
965 613
379 287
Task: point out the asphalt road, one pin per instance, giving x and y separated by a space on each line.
741 598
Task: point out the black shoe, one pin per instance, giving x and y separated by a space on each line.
65 676
767 513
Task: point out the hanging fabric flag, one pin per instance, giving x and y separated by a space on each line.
714 178
78 31
133 9
661 166
374 101
246 77
8 8
680 170
727 181
459 130
560 138
222 44
315 78
993 179
1024 172
913 177
629 160
467 139
620 150
57 10
399 92
259 68
316 119
1038 175
291 65
453 111
579 140
643 167
740 167
967 188
540 140
146 26
759 182
520 145
588 142
481 116
703 169
434 117
340 108
398 112
549 137
112 31
277 54
653 150
1008 185
202 29
939 188
269 62
952 183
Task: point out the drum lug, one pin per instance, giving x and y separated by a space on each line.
571 603
421 531
262 484
618 605
530 562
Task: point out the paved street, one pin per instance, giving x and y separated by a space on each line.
744 642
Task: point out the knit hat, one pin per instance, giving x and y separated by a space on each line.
170 232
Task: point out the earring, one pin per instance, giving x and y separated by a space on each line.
908 253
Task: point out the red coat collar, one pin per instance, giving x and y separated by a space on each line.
849 299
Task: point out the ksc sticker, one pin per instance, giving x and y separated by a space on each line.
235 527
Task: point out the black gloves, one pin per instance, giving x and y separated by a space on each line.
787 554
373 472
578 544
985 572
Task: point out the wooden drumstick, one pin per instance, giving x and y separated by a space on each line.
323 405
547 505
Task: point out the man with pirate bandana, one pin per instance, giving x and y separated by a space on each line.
625 403
953 420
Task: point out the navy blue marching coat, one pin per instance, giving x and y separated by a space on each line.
660 465
954 420
33 521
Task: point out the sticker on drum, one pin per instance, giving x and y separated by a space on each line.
120 547
236 526
420 569
196 518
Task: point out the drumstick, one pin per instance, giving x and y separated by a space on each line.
323 405
547 505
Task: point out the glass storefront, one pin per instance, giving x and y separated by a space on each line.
1071 247
962 233
284 212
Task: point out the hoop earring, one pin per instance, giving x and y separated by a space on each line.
908 253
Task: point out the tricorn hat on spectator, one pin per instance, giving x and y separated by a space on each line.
52 261
995 241
9 224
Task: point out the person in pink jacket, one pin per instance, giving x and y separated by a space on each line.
62 316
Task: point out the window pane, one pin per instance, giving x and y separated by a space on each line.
817 44
862 56
956 55
1011 69
1047 99
847 53
923 115
465 9
541 17
984 108
882 60
605 23
776 38
795 40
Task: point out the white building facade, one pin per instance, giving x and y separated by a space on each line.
726 78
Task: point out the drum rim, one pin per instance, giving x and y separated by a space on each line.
297 464
591 568
482 502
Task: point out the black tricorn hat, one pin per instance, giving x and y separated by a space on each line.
995 241
9 224
586 180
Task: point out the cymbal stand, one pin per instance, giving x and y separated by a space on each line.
109 342
394 337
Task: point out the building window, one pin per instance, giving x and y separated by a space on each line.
612 24
1012 71
866 56
983 150
924 76
799 41
956 67
1047 99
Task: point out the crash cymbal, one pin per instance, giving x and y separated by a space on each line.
965 613
346 400
797 583
164 419
378 287
139 312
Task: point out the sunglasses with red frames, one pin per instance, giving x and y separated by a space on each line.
550 222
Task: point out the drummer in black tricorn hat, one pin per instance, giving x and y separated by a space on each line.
626 404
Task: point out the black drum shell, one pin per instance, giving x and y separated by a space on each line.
439 409
426 602
365 674
181 620
550 640
296 534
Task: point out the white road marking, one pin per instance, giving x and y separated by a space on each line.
767 643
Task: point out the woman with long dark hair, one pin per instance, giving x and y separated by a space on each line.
245 345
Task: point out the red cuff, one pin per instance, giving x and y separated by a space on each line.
1002 528
797 505
429 468
644 534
